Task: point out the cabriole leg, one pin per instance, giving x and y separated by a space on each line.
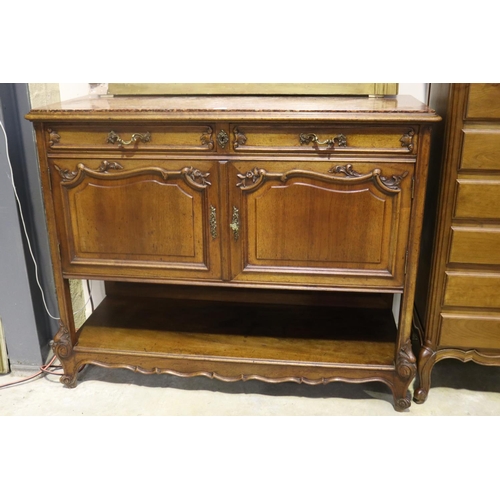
426 361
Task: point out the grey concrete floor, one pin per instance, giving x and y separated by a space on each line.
457 389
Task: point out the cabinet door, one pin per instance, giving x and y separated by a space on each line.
333 224
144 218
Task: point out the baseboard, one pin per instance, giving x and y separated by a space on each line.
4 360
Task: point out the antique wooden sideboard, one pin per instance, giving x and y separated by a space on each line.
458 291
239 237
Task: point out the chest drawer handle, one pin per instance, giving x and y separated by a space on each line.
114 138
341 140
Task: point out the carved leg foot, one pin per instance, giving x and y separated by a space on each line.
406 369
69 380
63 349
426 361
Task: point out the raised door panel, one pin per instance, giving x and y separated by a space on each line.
138 219
322 223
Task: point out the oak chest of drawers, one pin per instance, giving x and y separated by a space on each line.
458 299
239 237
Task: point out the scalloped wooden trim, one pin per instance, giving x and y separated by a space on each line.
192 176
257 176
469 355
240 378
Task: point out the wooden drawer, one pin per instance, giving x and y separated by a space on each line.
471 245
472 290
478 199
326 139
148 138
481 150
484 101
469 331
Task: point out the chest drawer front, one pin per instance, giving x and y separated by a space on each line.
117 220
322 139
469 331
471 245
472 290
481 150
333 224
484 101
130 138
478 199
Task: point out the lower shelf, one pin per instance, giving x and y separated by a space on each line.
242 341
241 332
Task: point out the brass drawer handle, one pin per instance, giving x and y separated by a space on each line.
114 138
235 224
340 140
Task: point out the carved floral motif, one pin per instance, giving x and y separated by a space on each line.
407 140
106 165
252 175
206 138
61 344
406 361
66 173
54 137
240 138
346 170
394 181
197 176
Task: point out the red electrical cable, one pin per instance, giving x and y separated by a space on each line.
43 370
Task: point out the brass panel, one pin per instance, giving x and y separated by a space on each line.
253 88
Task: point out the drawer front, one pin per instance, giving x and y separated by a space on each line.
320 222
325 139
484 101
130 138
481 150
478 199
471 245
470 332
115 218
472 290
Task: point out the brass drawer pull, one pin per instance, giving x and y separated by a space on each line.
235 224
213 222
114 138
340 140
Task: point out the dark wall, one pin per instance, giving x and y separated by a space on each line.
28 328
